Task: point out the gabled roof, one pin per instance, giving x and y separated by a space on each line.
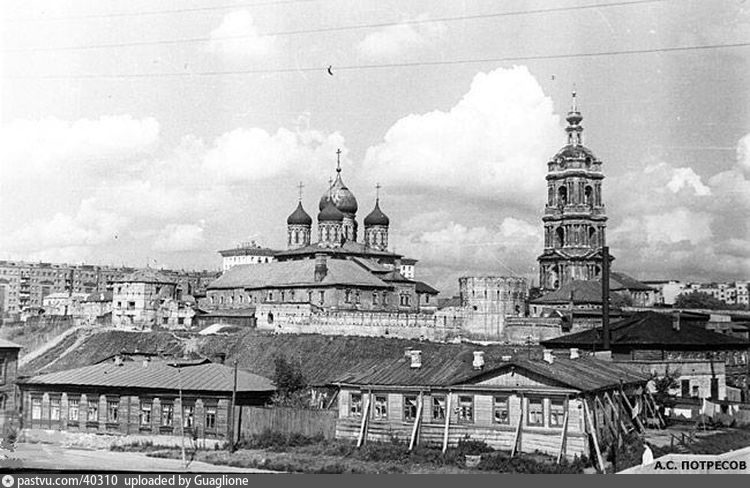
449 302
650 329
423 287
248 251
6 344
579 291
371 265
157 374
396 277
296 273
583 374
621 281
348 248
146 276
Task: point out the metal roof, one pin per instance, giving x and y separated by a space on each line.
649 329
583 374
296 273
6 344
157 374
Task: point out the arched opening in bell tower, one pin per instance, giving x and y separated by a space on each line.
588 195
562 195
559 237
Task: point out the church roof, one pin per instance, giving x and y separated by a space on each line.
573 151
340 195
299 217
577 291
377 217
296 273
330 213
348 248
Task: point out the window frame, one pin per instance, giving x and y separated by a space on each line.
210 412
55 405
92 406
462 405
380 407
355 412
166 407
500 406
147 413
564 408
438 407
410 409
74 405
529 401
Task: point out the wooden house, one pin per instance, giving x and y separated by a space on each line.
563 406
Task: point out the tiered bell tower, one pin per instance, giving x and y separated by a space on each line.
574 217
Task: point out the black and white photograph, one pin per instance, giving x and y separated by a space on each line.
247 238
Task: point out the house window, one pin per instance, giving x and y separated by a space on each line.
536 412
357 297
113 409
466 409
145 413
696 391
685 388
54 409
210 418
322 297
374 298
309 296
410 407
556 412
427 298
500 410
283 296
187 416
270 296
36 408
93 411
438 408
348 296
381 407
167 412
131 305
180 320
355 405
73 409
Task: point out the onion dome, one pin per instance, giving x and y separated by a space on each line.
377 217
299 217
340 195
330 213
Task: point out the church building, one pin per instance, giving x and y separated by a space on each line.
574 217
340 271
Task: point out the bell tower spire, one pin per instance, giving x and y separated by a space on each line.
574 118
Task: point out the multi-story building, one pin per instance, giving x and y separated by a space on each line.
25 285
574 217
246 253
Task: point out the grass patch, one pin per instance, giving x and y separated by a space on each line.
717 443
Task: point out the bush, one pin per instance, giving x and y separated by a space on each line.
276 441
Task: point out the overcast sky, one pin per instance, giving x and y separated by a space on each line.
102 168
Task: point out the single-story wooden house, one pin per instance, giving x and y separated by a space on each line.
141 396
563 406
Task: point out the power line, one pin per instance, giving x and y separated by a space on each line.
159 12
389 65
331 29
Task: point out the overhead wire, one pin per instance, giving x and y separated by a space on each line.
321 30
355 67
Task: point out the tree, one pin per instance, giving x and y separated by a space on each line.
699 299
291 385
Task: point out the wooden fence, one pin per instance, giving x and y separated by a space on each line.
288 421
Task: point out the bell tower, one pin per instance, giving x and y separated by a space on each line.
574 217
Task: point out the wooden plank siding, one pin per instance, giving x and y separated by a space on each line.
288 421
482 427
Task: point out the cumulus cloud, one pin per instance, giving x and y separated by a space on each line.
395 40
248 154
40 147
237 38
683 227
179 238
492 143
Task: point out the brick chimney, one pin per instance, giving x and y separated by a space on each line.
478 362
574 353
415 356
548 356
321 267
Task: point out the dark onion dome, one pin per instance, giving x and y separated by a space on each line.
377 217
340 195
330 214
299 217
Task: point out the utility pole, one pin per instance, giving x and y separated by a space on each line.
605 298
231 409
182 417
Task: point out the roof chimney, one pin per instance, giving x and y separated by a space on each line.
478 362
676 322
321 267
548 356
416 358
574 353
118 360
